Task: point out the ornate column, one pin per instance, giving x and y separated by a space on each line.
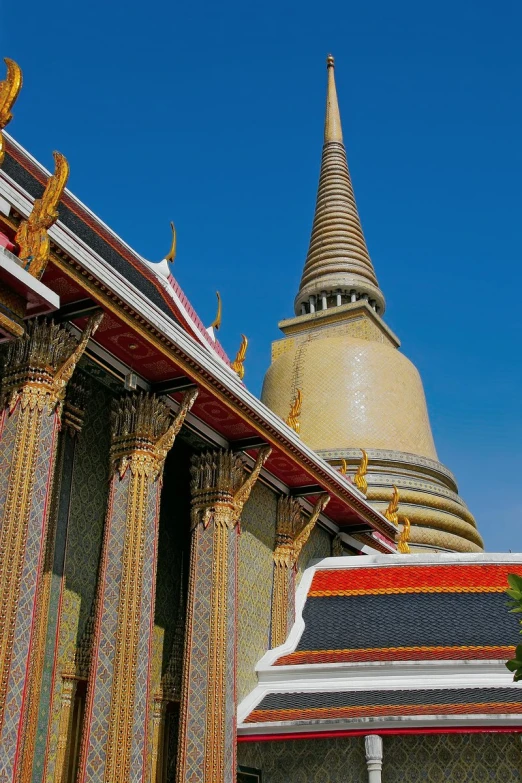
373 752
51 592
116 737
37 369
291 536
207 741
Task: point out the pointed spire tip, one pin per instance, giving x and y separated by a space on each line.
330 62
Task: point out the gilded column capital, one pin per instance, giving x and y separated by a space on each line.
143 432
291 533
220 487
39 364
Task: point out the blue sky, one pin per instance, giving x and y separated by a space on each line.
211 115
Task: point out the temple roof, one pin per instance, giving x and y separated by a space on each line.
409 640
337 258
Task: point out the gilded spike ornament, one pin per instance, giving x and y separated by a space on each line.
360 476
404 537
32 235
295 412
343 470
391 512
239 362
9 90
216 323
171 255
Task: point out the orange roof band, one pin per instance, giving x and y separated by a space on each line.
413 579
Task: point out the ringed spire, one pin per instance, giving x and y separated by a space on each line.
338 268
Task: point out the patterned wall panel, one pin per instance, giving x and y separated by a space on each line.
84 538
307 761
319 545
444 758
256 546
453 758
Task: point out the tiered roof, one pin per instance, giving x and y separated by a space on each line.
396 641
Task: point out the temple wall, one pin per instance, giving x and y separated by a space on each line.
453 758
307 761
444 758
84 538
255 576
319 545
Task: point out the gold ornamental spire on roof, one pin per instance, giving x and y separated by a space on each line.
338 262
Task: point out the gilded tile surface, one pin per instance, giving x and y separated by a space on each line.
255 574
453 758
355 393
307 761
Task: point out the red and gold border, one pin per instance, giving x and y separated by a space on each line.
463 653
386 710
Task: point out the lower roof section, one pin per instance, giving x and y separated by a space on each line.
396 642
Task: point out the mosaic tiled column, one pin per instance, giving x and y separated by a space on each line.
116 737
207 744
37 369
291 536
51 591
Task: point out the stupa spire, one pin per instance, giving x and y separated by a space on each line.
338 268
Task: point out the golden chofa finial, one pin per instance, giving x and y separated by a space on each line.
330 62
238 363
343 470
32 236
216 323
171 255
360 475
391 512
295 412
404 537
9 90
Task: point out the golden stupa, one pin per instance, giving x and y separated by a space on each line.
357 390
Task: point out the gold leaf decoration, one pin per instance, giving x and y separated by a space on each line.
216 323
360 475
391 512
404 537
171 255
295 412
9 90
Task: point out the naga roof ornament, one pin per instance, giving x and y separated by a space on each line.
32 235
